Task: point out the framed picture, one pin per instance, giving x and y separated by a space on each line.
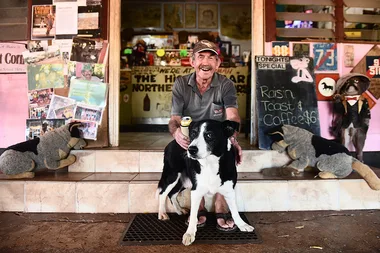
208 16
143 15
173 16
235 50
236 15
225 48
89 21
190 15
43 17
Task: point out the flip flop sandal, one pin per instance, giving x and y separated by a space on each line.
200 213
225 216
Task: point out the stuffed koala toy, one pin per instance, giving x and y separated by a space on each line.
50 151
308 150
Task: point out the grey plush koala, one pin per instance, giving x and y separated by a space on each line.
50 151
306 149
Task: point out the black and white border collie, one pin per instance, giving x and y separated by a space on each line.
207 167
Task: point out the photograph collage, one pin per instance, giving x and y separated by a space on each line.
74 67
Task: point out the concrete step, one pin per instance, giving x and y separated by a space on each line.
116 160
135 192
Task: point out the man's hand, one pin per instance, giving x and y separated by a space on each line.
181 139
239 154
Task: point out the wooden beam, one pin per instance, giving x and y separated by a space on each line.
306 2
362 3
305 16
358 18
305 33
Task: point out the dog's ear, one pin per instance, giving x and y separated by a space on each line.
229 127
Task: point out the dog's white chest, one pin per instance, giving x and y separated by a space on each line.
209 177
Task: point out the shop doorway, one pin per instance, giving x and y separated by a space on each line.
147 72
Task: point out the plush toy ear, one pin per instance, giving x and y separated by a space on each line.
74 129
229 127
276 133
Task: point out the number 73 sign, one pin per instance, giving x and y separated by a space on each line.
325 56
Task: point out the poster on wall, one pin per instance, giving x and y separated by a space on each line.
11 60
368 66
325 85
325 56
373 66
285 95
43 22
152 90
301 49
280 48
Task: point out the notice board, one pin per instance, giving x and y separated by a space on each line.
285 95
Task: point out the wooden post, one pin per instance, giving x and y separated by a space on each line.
114 70
270 20
258 26
339 21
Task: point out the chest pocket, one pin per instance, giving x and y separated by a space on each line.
217 111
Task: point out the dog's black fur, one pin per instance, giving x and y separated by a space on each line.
208 166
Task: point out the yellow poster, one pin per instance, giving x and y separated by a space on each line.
152 89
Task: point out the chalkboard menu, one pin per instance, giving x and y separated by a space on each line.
285 95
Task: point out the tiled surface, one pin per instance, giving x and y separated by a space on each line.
158 141
85 161
111 177
262 195
313 195
142 197
117 161
256 160
143 152
41 196
151 176
101 197
151 161
136 193
356 193
12 195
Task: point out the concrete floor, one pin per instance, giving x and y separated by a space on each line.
322 231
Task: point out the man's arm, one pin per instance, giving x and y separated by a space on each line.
232 114
174 124
175 131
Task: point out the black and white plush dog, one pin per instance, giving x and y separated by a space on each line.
207 167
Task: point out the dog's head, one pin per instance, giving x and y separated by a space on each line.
353 84
210 137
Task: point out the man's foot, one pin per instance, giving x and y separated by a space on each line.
201 218
224 222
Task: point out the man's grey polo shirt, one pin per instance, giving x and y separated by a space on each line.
187 100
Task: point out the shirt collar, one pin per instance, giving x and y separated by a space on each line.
192 82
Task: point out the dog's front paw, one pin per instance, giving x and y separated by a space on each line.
246 228
188 239
163 216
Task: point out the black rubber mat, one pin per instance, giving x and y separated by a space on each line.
147 229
